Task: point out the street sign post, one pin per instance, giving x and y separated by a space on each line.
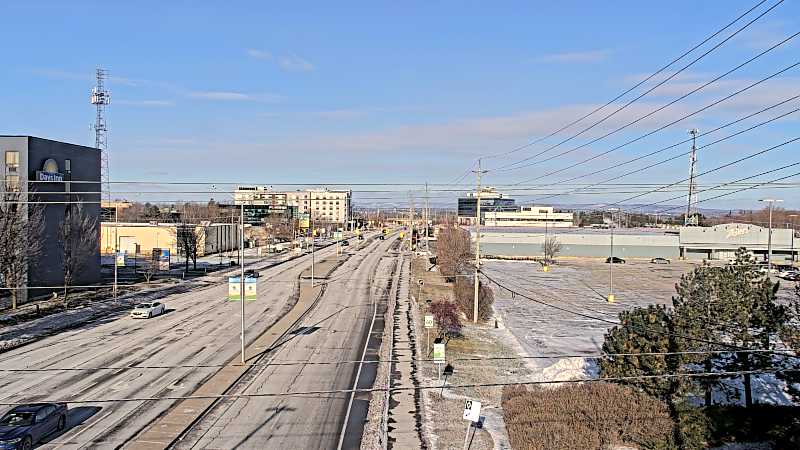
472 414
438 358
428 326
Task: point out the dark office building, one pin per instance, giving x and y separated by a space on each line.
490 201
49 171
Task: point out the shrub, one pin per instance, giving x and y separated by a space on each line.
584 416
447 317
464 293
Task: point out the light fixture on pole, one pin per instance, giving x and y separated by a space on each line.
771 202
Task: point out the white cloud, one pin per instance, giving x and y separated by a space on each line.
231 96
294 62
591 56
259 54
146 103
220 95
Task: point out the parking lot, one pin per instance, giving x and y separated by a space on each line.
579 285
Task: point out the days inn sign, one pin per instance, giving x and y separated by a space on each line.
49 172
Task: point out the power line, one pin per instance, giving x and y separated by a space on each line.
657 85
684 141
746 88
725 374
382 361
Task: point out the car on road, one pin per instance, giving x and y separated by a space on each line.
344 243
360 237
614 260
148 310
25 425
250 273
660 260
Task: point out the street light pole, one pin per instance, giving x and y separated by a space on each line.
241 268
611 261
771 202
792 242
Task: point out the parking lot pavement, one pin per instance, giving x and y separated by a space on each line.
579 285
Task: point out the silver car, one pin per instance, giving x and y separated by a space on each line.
148 310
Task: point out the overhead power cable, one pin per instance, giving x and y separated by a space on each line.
656 86
661 108
685 141
725 374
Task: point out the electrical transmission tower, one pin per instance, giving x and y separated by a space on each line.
100 98
692 197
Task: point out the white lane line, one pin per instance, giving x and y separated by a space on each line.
358 374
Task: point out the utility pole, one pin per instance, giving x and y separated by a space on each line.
426 216
411 223
311 229
478 172
771 202
692 168
241 275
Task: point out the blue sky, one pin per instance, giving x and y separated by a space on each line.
394 92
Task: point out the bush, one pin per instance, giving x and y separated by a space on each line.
464 293
584 416
447 317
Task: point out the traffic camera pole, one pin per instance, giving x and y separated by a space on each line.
241 279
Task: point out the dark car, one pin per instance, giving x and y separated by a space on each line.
344 243
360 237
26 425
659 261
250 273
614 260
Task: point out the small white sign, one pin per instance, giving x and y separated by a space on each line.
438 354
428 321
472 411
421 281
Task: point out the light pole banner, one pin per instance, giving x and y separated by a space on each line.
234 284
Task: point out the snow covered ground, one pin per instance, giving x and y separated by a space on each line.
582 285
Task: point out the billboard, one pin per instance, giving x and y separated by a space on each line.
235 284
303 221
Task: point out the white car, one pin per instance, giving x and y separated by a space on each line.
786 274
148 310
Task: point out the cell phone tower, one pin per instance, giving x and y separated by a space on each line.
101 98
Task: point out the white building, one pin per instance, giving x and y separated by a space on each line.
323 205
529 216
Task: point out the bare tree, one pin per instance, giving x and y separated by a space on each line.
79 242
188 238
21 228
551 247
149 269
453 251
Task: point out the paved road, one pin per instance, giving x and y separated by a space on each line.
334 331
201 327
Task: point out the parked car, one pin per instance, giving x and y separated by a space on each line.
250 273
26 425
788 274
148 310
614 260
660 260
764 269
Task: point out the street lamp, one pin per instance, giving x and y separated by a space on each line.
611 297
792 242
771 202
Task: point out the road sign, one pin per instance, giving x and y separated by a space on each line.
438 353
428 321
120 259
234 284
472 411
